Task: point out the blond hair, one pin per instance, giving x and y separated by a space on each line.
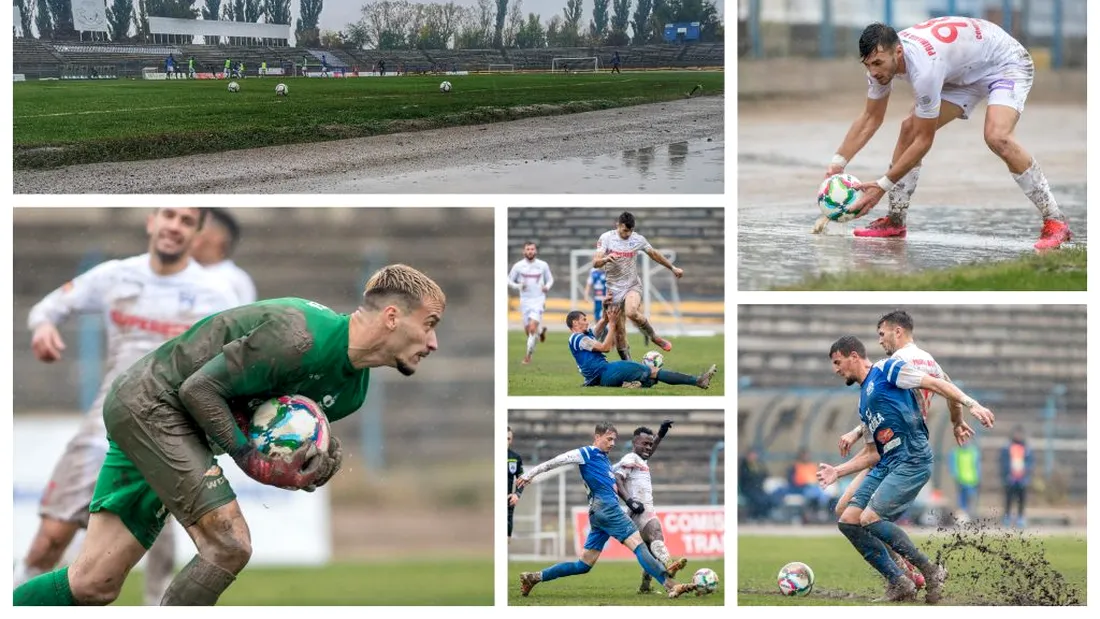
404 282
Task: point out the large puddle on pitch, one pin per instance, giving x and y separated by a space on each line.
687 167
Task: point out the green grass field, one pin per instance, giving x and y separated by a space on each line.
445 582
553 372
1065 269
62 123
1009 571
610 583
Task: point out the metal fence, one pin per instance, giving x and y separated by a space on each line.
1053 30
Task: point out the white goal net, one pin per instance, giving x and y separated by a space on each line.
541 520
589 64
502 68
660 293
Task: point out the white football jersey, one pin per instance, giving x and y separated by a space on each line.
141 309
622 273
634 471
237 278
954 51
916 358
529 276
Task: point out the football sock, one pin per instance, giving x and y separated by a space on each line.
160 562
645 327
199 583
872 549
895 537
646 579
624 353
1034 184
24 572
649 563
660 551
676 378
901 194
531 341
49 589
566 568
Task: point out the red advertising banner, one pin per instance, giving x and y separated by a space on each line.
693 532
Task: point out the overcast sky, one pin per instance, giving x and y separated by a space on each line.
338 13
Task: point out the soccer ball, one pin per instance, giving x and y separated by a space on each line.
836 194
445 86
796 579
234 87
281 425
281 90
705 580
654 359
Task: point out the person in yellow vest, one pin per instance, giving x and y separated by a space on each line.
802 480
263 68
966 470
1017 463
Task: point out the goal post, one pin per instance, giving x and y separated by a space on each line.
502 68
586 63
660 291
539 532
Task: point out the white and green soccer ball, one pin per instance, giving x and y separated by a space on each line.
654 359
281 90
836 195
796 579
281 425
234 87
705 580
445 86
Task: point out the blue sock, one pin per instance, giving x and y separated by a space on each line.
675 378
565 569
872 549
650 563
895 537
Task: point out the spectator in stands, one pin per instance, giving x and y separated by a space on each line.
615 62
751 474
213 248
802 481
966 470
1017 464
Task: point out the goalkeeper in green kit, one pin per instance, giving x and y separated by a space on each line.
168 413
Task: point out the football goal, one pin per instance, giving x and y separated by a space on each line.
541 520
590 63
502 68
660 293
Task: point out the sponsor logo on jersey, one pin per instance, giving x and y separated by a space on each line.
870 388
512 467
161 327
329 400
187 300
884 435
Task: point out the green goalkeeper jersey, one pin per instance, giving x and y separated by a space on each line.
255 352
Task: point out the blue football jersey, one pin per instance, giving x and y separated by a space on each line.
596 473
598 279
589 362
891 415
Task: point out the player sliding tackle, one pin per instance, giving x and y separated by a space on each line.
953 63
901 458
168 412
606 517
597 371
634 486
616 254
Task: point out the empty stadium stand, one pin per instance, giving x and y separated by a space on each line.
1016 359
319 254
696 234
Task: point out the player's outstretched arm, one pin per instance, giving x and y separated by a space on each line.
560 460
862 130
666 425
951 392
866 458
84 294
962 431
600 259
660 259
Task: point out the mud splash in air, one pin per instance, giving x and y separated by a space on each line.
1002 567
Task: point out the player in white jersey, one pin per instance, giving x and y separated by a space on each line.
145 300
214 247
634 485
532 279
616 254
895 335
953 63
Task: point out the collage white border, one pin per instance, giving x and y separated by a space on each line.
502 402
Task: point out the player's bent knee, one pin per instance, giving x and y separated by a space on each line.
90 587
868 517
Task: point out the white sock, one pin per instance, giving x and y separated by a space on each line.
531 341
900 195
660 552
23 573
1034 184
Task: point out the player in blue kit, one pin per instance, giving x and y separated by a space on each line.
595 291
605 517
597 371
896 445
